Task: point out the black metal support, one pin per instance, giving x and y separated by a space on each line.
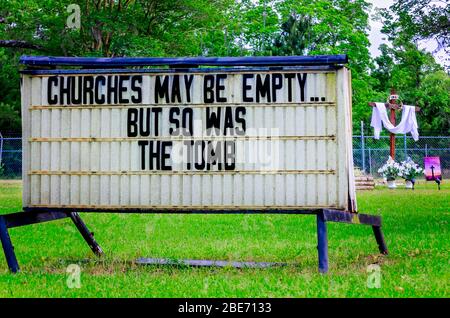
350 217
8 248
322 243
26 218
87 235
328 215
380 239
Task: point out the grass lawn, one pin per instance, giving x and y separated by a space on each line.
416 227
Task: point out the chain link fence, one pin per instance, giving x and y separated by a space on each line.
369 154
10 157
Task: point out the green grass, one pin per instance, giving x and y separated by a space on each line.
416 227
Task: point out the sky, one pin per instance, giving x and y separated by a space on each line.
375 35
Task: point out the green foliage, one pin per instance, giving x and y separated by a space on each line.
236 28
9 92
413 72
108 28
434 97
252 26
325 27
114 28
9 117
413 20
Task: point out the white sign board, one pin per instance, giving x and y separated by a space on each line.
238 139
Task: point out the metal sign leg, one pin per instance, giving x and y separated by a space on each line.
26 218
8 248
380 239
322 243
87 235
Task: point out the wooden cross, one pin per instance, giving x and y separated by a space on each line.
393 106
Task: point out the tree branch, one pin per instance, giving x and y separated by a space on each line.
20 44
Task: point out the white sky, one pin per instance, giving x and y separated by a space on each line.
375 35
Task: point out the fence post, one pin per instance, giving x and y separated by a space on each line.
404 145
362 148
370 161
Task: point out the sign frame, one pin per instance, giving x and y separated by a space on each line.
38 66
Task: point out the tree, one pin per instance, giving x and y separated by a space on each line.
232 27
295 36
325 27
108 28
382 71
434 97
111 27
419 20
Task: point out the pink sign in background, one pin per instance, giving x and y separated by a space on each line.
432 168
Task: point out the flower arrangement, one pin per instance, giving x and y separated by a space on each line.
390 169
409 170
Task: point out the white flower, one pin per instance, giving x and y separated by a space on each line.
409 170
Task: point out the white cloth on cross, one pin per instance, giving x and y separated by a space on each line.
407 124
